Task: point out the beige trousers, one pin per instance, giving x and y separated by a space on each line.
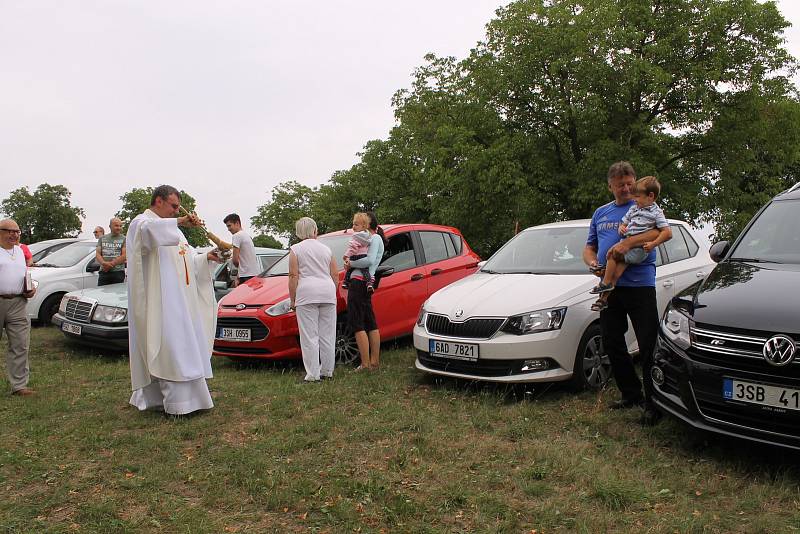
17 326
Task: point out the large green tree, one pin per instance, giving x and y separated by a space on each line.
522 130
138 199
44 214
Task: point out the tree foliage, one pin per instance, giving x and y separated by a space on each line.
44 214
137 200
267 241
522 131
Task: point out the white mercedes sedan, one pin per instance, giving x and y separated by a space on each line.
525 315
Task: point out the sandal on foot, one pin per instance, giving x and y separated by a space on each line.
601 288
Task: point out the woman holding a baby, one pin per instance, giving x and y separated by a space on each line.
362 259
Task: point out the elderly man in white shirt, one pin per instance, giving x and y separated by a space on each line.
13 319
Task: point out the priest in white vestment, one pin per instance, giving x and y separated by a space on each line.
172 312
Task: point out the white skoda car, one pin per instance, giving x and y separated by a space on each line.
525 315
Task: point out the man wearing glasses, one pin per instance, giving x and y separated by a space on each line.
171 310
13 319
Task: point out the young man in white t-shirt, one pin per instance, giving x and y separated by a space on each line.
244 252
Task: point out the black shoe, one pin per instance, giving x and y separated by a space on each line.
650 417
625 404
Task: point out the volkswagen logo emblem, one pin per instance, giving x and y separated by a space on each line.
459 313
779 350
240 307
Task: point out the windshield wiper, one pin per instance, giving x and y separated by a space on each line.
489 271
753 260
270 275
45 265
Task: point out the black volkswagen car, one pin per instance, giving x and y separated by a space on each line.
726 359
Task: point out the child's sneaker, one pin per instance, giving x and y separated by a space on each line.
601 288
345 285
370 287
599 305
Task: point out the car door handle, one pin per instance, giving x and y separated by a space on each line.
699 274
436 271
416 277
668 283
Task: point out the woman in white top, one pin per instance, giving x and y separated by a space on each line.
313 276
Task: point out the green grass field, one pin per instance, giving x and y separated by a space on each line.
389 451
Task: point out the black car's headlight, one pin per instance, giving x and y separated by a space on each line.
535 321
109 314
677 327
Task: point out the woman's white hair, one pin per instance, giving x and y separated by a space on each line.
305 228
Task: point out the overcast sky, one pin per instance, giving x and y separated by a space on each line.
221 99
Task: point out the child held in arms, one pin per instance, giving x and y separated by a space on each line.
357 248
643 216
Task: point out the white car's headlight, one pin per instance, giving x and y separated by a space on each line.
536 321
677 327
280 308
422 315
62 308
109 314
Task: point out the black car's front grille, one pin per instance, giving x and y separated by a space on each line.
79 310
258 330
471 328
736 350
478 368
241 350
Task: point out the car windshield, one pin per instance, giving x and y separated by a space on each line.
773 237
551 250
69 255
337 244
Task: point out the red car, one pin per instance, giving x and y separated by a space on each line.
253 320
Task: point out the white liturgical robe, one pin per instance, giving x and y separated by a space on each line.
171 317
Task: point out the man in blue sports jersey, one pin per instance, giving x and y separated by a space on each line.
634 295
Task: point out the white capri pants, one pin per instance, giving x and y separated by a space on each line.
317 323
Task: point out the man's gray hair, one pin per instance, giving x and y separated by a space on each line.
620 169
305 228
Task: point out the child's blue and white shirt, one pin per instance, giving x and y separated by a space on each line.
640 220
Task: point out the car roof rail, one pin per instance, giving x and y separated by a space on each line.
795 187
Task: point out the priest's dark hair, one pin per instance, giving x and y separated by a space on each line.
232 218
163 192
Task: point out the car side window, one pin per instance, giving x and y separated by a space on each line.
676 247
433 244
399 252
448 244
224 272
659 257
690 242
458 244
